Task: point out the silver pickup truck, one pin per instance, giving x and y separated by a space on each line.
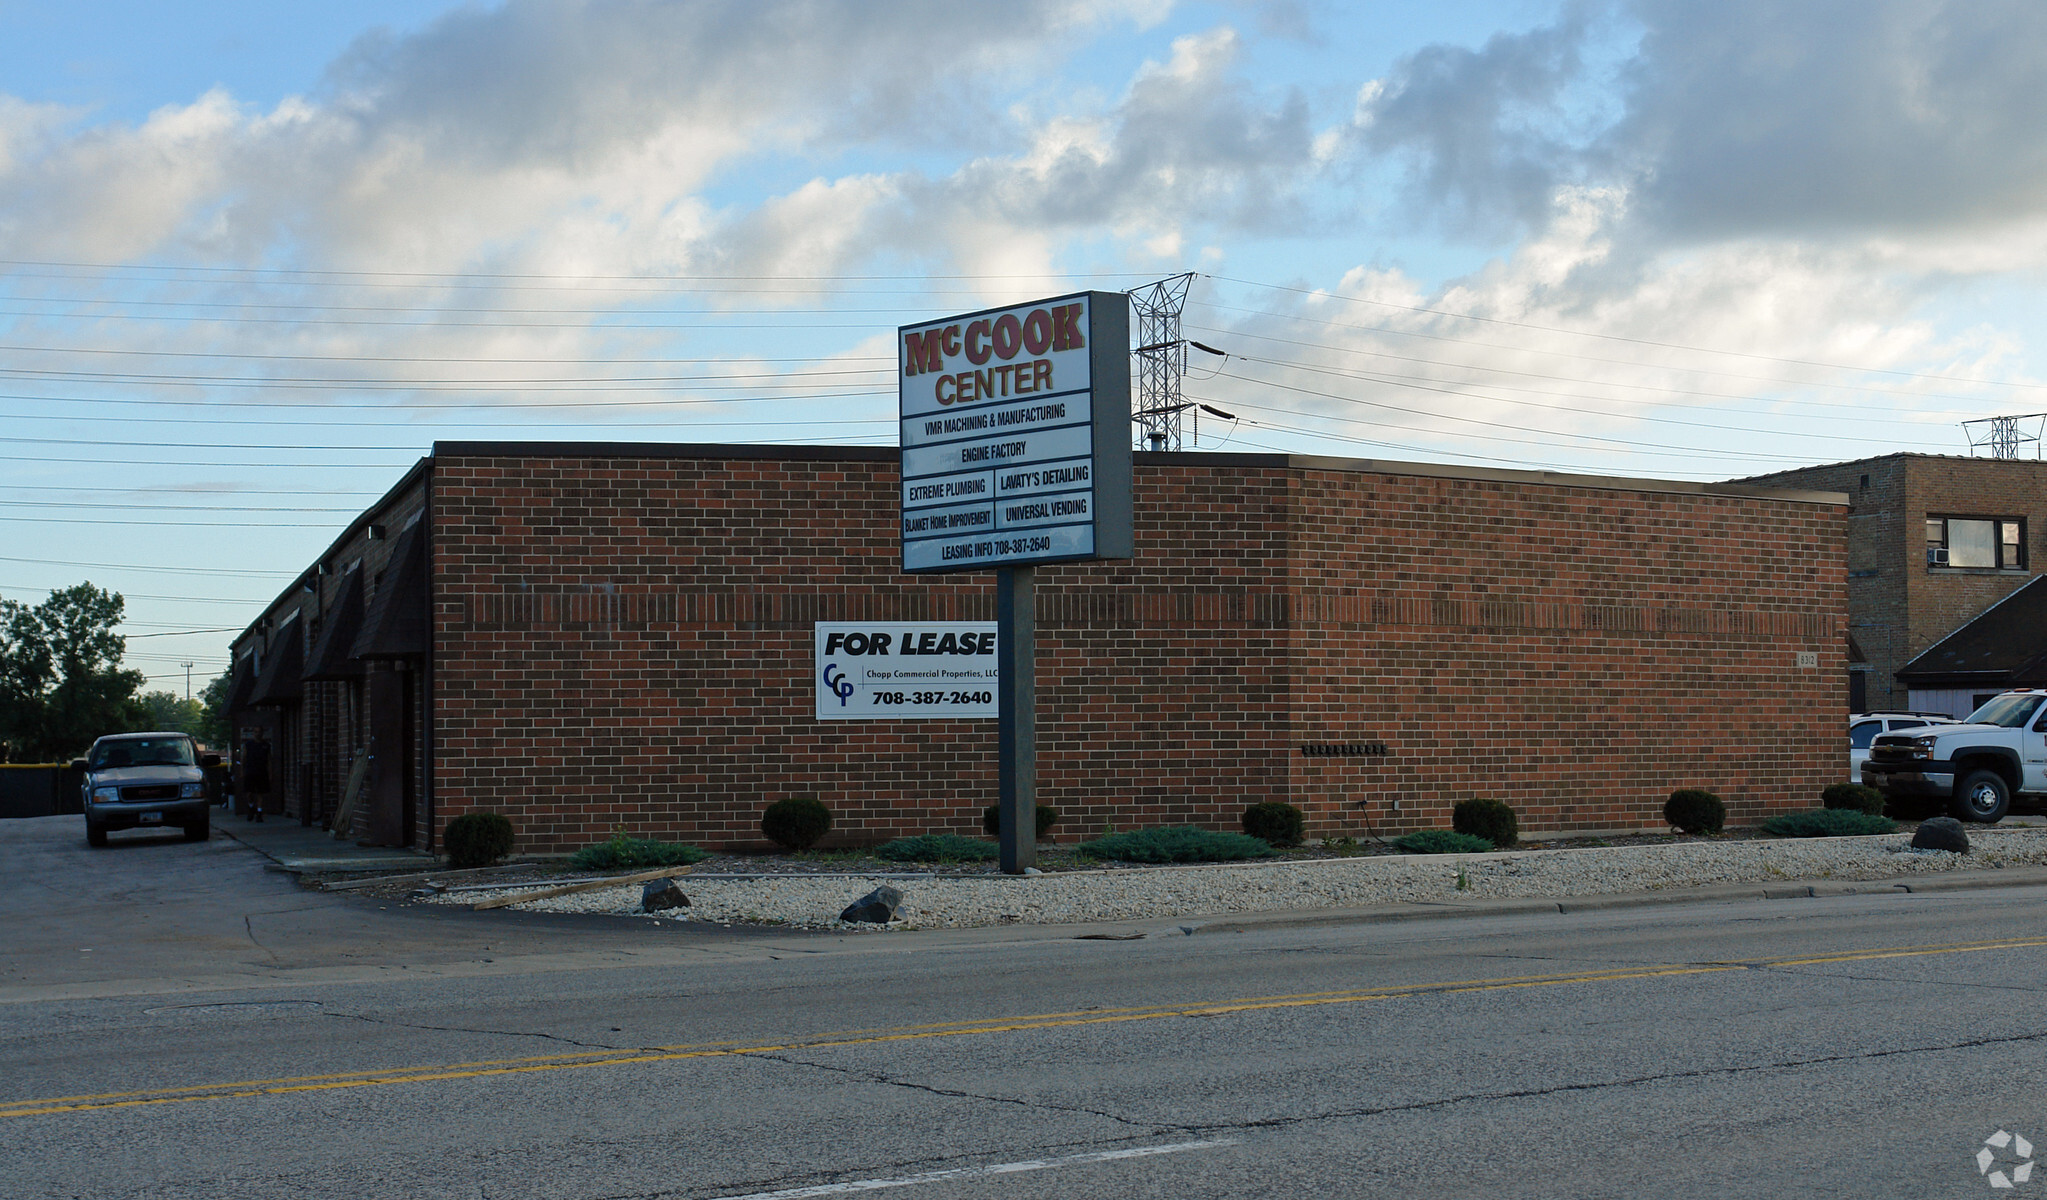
146 780
1977 767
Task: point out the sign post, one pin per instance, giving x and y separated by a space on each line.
1016 735
1015 452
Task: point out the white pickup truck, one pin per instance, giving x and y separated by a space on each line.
1976 767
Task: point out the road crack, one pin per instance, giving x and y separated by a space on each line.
1605 1084
1149 1127
516 1033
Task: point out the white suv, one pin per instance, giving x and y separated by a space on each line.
1863 728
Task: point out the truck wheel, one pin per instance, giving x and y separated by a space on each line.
95 834
1982 796
199 831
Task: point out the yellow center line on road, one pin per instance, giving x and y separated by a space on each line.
428 1073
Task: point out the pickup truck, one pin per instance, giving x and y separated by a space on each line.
146 780
1977 767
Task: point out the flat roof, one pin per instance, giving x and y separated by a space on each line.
1306 462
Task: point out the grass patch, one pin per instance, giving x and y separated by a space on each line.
624 853
1441 841
937 847
1828 822
1181 843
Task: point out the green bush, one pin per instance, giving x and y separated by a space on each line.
624 853
1441 841
1275 822
936 847
1181 843
991 820
1853 796
1828 822
477 839
1695 810
1492 820
797 822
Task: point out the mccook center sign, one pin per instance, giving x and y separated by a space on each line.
1016 435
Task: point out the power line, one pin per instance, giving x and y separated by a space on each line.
1625 442
58 562
17 587
1360 351
1614 337
1454 389
202 269
361 358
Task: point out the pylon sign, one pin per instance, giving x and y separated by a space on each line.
1016 435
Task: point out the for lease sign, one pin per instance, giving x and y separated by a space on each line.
887 670
1016 435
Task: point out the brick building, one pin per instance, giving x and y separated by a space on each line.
1933 540
623 635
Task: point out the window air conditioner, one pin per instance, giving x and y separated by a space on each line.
1936 556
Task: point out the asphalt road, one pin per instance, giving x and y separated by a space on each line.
231 1036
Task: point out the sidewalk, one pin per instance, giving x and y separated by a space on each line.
309 849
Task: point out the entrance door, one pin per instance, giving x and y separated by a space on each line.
390 755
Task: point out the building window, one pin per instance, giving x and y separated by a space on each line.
1976 542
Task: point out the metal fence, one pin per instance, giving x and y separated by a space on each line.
40 790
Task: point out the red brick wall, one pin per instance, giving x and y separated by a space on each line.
628 642
1578 652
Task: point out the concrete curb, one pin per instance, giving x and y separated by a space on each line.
1951 881
337 864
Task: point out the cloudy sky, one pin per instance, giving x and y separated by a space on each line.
256 257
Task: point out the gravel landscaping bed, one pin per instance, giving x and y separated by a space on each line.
976 897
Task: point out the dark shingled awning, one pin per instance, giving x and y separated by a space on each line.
279 682
396 624
2005 646
242 686
332 656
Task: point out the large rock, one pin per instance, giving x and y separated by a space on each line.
657 894
1941 833
877 907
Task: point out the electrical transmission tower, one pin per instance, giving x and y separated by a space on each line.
2002 436
1161 362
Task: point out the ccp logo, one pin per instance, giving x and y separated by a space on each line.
836 681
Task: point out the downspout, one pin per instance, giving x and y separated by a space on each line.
426 531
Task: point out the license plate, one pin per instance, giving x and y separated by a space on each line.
150 818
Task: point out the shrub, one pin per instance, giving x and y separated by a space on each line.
1441 841
624 853
1492 820
991 820
1694 810
1275 822
1828 822
797 822
1181 843
936 847
1853 796
477 839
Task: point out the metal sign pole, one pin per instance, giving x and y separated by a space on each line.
1017 728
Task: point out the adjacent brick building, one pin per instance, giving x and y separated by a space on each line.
621 635
1933 540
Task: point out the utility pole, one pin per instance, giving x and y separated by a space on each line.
188 680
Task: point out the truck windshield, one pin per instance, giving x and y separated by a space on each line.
142 752
2010 711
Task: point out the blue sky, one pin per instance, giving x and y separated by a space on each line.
255 258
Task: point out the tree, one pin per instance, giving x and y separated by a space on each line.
168 710
61 679
213 727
